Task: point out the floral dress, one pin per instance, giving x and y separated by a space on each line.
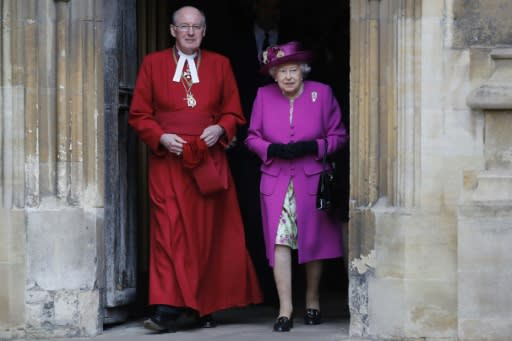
287 229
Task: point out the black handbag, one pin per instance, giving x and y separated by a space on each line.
325 195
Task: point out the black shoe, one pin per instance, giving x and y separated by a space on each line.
158 324
163 320
312 316
283 324
207 321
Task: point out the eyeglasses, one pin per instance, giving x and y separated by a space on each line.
186 28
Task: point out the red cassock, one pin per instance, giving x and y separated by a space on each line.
198 256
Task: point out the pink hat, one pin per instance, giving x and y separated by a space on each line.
285 53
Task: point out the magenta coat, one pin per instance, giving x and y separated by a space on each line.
316 116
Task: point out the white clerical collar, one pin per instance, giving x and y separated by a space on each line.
191 65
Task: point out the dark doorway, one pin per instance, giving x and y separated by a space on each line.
322 26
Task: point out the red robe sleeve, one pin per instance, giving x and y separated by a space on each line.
231 110
141 116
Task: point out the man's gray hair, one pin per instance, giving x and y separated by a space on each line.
175 13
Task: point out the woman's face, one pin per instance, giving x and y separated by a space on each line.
289 78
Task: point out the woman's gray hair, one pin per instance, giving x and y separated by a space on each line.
304 68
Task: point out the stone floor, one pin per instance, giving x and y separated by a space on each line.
255 322
247 324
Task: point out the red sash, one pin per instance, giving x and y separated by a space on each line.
208 165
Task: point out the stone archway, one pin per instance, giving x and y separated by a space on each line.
153 35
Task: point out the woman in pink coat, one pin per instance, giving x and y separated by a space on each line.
292 123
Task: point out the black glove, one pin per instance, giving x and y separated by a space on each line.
302 148
292 150
281 151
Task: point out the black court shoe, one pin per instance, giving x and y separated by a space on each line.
283 324
312 316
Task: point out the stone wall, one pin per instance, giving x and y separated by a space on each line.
52 168
417 148
485 209
12 273
430 177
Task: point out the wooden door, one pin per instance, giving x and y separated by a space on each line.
121 165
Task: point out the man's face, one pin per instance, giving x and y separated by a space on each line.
188 29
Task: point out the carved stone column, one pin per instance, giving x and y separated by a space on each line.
17 154
384 154
52 168
401 239
485 214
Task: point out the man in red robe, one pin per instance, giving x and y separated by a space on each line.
186 108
